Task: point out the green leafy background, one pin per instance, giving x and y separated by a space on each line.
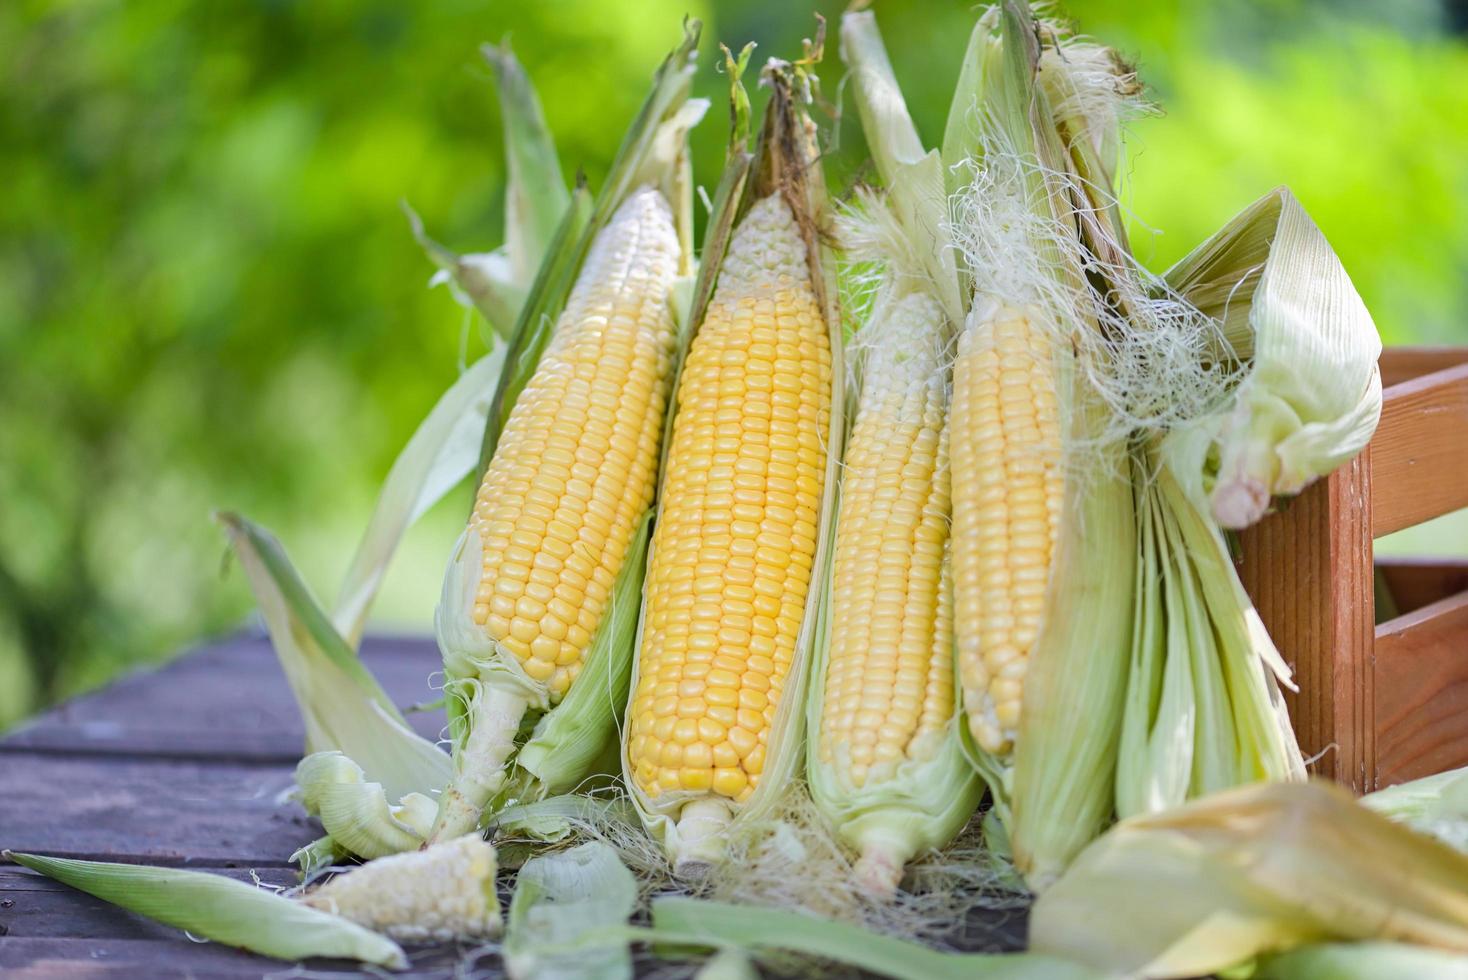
209 297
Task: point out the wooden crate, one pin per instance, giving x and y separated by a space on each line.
1380 702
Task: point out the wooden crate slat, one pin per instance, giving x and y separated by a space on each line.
155 811
1417 582
1400 364
1422 691
228 701
1419 455
1303 569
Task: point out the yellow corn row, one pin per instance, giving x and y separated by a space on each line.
736 535
1006 510
576 465
888 690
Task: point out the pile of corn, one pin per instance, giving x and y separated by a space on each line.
891 506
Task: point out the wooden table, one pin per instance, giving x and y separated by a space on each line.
185 766
182 766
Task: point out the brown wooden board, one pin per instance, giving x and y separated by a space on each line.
161 811
1308 570
1422 691
1400 364
1419 455
1417 582
226 701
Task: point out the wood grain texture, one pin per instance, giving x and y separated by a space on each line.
1422 691
228 701
1417 582
159 811
1308 570
1400 364
153 959
1419 454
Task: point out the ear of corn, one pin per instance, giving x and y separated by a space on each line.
885 765
571 461
713 727
1043 529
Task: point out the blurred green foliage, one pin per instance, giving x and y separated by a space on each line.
209 298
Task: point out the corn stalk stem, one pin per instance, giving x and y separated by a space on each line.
494 720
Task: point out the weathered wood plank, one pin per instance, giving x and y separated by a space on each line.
1400 364
153 810
128 959
1422 691
229 701
1308 570
1417 582
1419 454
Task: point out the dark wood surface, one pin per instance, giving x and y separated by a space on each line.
181 766
185 766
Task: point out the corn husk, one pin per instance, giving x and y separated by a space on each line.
344 707
355 813
931 796
222 909
1364 961
497 283
561 902
492 702
694 831
1310 395
1256 870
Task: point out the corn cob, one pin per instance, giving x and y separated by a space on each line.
441 894
736 539
889 676
570 480
1006 437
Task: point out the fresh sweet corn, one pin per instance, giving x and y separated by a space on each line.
1007 441
888 684
736 537
576 464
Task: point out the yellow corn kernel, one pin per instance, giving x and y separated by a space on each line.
721 632
576 464
1008 488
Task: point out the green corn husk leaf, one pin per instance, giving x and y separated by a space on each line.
442 451
492 700
344 707
497 283
535 192
1251 871
721 925
1310 397
221 909
556 818
694 832
1364 961
914 178
316 857
982 62
356 813
1434 805
563 899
